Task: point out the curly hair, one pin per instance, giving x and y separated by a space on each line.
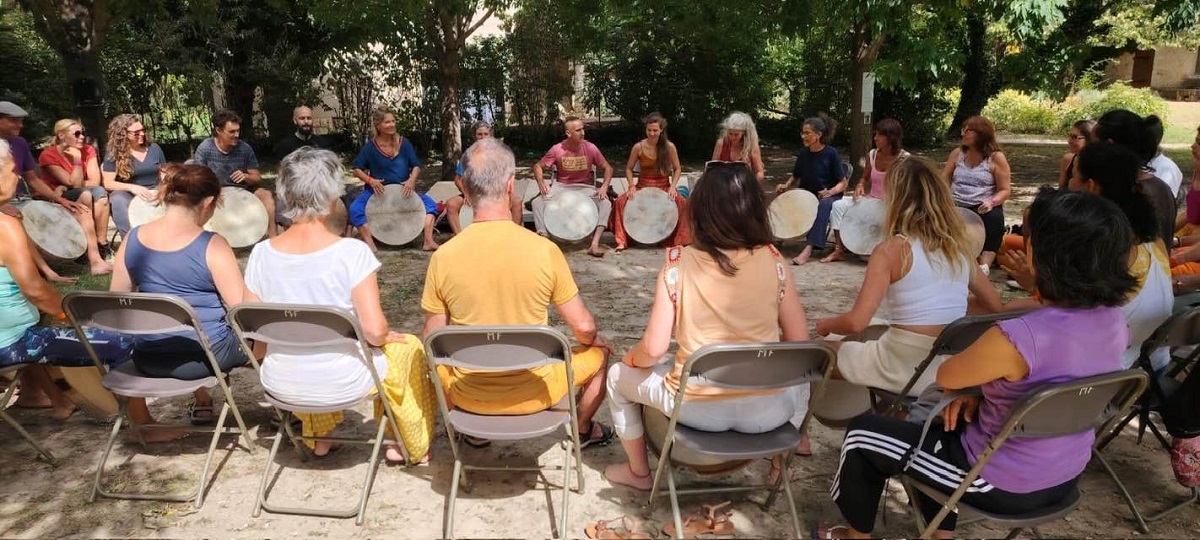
117 148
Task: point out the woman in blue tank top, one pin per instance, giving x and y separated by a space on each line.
175 255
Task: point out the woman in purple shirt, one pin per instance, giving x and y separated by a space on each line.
1080 245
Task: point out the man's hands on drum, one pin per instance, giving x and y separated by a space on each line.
74 207
826 193
238 176
544 189
601 193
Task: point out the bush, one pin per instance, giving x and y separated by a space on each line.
1018 112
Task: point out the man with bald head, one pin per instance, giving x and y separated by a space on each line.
497 272
302 118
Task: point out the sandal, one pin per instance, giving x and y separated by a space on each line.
606 435
828 532
710 520
201 415
627 527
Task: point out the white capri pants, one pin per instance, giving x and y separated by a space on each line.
629 388
839 211
603 206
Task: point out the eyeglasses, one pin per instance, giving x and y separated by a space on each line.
137 132
709 165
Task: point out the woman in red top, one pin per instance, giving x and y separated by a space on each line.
739 142
659 163
71 177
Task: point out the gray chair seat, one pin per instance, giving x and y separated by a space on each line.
126 380
511 428
967 513
312 409
734 445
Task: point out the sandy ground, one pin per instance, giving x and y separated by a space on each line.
37 500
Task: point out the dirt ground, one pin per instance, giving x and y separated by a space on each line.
37 500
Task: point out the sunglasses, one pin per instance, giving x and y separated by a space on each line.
79 133
1077 137
709 165
138 132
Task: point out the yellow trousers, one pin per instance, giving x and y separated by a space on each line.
408 393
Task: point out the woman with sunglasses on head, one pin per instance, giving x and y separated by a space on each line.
729 286
819 171
981 180
130 167
71 177
889 149
739 142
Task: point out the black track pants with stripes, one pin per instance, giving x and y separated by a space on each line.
878 447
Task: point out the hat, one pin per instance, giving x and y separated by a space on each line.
10 109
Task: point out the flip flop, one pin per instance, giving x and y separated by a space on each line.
710 520
627 527
606 435
197 416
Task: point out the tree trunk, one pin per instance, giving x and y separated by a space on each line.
448 78
866 51
976 89
239 98
86 80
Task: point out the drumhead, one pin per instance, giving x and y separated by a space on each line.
395 219
571 214
466 216
862 225
240 218
975 231
650 216
87 392
53 229
337 219
442 191
792 214
142 211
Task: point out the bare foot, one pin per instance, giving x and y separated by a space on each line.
33 403
101 268
597 252
838 531
53 277
323 448
63 411
804 447
838 254
430 247
803 257
619 248
620 474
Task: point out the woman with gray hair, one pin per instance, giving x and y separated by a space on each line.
308 264
739 142
818 170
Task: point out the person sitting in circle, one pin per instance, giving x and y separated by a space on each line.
889 148
659 165
480 130
71 177
130 168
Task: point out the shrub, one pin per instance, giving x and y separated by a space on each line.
1142 101
1018 112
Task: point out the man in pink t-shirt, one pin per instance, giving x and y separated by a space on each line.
573 160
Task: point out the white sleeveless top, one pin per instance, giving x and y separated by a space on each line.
972 185
932 292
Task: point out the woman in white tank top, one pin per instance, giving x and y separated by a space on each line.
924 270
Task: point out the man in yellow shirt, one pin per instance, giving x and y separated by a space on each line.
496 272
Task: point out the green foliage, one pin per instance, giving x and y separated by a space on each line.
535 79
1018 112
34 76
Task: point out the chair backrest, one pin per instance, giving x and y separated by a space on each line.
1072 407
295 325
963 332
1181 328
496 348
759 366
130 313
847 170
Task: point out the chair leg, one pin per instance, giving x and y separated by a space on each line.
674 502
212 449
791 500
371 464
1137 514
266 475
1013 533
448 518
112 439
12 389
237 415
1184 504
1158 434
913 502
563 531
1108 437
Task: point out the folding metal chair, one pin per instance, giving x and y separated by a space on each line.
315 328
1181 330
745 366
953 339
141 314
1052 410
505 348
8 419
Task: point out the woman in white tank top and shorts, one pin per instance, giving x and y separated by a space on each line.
924 270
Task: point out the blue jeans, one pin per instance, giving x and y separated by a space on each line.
820 229
60 346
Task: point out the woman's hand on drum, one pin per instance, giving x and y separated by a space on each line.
1019 269
408 188
631 190
823 327
142 193
395 337
375 185
73 206
859 191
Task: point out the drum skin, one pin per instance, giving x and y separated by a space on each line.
240 218
53 229
792 214
975 231
862 225
394 218
142 211
650 216
571 215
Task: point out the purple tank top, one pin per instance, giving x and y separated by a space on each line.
1059 345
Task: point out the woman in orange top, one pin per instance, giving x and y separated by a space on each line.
729 286
659 163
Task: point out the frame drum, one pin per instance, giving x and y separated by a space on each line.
656 424
442 191
571 214
86 390
53 229
395 219
862 225
337 219
142 211
650 216
975 231
792 213
466 216
241 218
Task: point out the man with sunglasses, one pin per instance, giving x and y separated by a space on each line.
573 160
234 161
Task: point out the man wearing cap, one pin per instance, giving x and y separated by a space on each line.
12 120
